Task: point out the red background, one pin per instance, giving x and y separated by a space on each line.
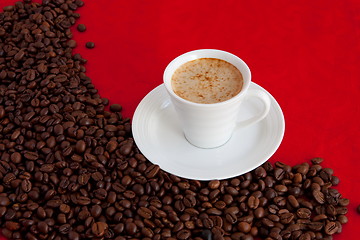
305 53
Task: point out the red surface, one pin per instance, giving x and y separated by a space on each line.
305 53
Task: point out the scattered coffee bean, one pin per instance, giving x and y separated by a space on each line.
90 45
115 108
81 28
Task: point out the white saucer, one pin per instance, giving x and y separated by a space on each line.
159 137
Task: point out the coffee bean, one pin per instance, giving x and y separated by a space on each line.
183 234
344 202
90 45
293 201
16 158
144 212
303 213
342 219
99 229
80 146
71 43
206 234
47 168
281 188
81 28
26 185
2 112
319 197
64 229
117 187
279 173
65 208
244 227
43 227
100 193
331 228
231 218
12 226
316 226
115 108
8 178
19 55
130 228
96 211
73 235
253 202
152 171
82 200
4 201
31 156
267 222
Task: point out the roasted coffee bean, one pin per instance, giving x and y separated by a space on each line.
331 228
317 160
16 157
259 212
342 219
74 235
65 208
100 193
183 234
206 234
81 28
293 201
253 202
71 43
319 197
244 227
90 45
315 226
231 218
26 185
115 108
303 213
43 227
344 202
31 155
4 201
144 212
99 229
130 228
152 171
82 200
8 178
286 218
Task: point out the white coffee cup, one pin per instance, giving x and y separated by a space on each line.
211 125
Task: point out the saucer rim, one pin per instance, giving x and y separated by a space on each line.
278 113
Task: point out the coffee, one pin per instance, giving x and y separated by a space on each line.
207 80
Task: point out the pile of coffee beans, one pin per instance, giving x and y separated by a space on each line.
70 170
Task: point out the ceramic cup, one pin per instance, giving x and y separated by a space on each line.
211 125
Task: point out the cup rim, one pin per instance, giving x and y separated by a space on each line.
167 82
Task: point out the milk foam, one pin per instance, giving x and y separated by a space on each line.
207 80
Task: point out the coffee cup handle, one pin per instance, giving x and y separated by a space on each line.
264 97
